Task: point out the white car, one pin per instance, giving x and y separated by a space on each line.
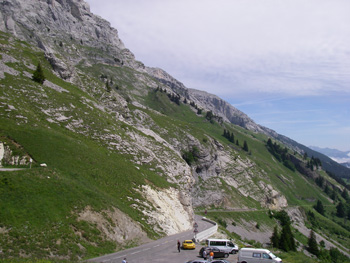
257 255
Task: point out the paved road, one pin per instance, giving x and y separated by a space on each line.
11 169
162 250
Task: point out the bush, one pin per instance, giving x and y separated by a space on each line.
38 75
191 156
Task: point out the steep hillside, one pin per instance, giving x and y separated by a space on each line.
115 154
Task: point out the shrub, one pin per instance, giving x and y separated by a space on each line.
38 75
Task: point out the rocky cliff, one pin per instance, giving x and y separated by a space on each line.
60 27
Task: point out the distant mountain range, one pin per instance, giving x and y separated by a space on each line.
336 155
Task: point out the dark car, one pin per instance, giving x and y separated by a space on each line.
197 261
218 253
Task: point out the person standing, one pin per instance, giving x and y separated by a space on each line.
204 254
178 246
124 261
211 255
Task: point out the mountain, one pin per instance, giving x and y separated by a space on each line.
336 155
116 153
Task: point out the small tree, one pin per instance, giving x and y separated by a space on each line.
312 244
269 143
209 116
231 138
319 207
108 87
305 156
38 75
345 195
245 146
287 242
275 238
327 190
340 210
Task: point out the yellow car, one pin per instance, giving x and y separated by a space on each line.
188 244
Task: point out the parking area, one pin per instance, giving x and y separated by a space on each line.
186 255
161 250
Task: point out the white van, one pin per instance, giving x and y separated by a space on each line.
256 255
222 244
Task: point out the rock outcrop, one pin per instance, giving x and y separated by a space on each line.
63 27
7 157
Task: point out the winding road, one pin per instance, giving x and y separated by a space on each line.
162 250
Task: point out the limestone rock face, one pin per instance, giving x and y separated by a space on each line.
123 230
171 210
8 158
60 26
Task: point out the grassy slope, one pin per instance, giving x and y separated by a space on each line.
297 189
38 203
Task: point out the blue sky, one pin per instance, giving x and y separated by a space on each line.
284 63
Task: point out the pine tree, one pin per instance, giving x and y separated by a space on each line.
209 115
340 210
269 143
275 238
327 190
245 146
345 195
312 244
334 195
232 138
287 242
38 75
305 156
319 207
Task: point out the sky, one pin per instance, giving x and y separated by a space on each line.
285 63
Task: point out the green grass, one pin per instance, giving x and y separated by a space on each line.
38 206
296 257
331 226
39 198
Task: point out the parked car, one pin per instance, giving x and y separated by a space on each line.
198 261
223 244
218 253
188 244
257 255
220 261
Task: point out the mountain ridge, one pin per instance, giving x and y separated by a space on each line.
341 157
128 155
